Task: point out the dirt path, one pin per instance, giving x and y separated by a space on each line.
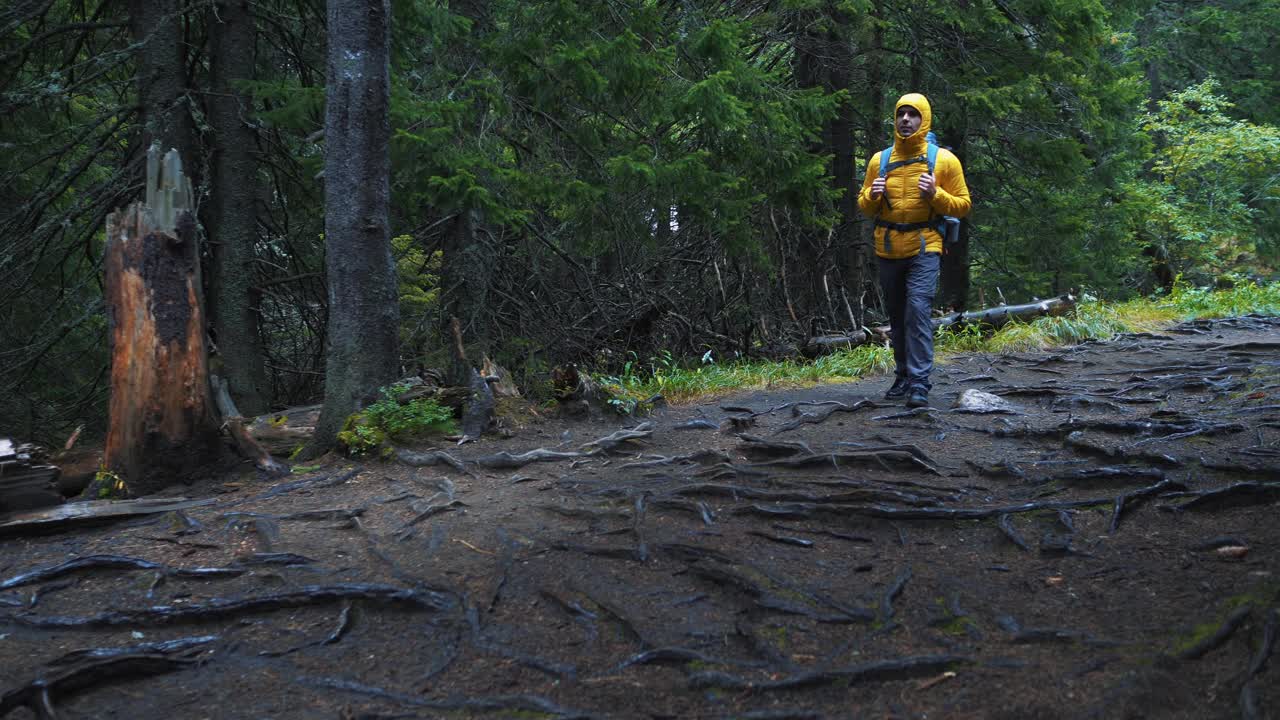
824 554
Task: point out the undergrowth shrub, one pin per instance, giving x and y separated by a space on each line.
1091 319
389 419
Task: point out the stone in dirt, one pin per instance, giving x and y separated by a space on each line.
979 402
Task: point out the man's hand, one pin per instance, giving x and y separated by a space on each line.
928 186
877 188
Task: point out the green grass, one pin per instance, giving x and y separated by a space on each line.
1091 320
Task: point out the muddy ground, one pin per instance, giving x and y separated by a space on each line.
1108 549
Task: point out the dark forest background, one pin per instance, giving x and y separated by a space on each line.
580 180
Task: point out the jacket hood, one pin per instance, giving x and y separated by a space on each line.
921 104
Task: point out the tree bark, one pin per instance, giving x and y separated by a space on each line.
364 311
867 282
808 269
466 273
232 219
162 426
156 25
844 174
468 262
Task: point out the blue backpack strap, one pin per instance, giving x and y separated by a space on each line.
931 156
884 160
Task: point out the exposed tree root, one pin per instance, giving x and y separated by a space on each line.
883 459
1266 644
498 703
345 621
430 458
696 424
756 445
315 482
1131 499
676 656
883 671
1250 706
1240 494
803 418
782 539
891 593
219 608
113 562
611 552
772 594
38 694
1005 523
1219 636
75 657
505 460
1023 635
613 440
432 511
701 457
865 494
1108 473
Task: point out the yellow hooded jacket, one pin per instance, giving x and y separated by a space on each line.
906 205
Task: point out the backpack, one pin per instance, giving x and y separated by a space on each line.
946 226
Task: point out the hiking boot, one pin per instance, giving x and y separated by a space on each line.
897 391
918 399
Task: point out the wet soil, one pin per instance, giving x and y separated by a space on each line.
1106 549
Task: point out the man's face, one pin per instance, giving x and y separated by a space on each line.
908 120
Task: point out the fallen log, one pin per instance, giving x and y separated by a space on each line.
90 512
245 443
994 318
285 432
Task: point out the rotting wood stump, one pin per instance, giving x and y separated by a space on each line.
162 422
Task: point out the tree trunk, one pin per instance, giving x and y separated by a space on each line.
468 262
156 25
813 261
844 174
466 273
866 281
364 311
162 425
232 220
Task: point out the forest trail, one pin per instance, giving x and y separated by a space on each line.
1105 548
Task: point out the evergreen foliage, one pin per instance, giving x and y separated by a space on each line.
581 180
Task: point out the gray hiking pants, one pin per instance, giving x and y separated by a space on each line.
909 286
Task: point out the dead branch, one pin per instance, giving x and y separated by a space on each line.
248 447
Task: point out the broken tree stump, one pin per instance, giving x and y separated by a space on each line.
162 424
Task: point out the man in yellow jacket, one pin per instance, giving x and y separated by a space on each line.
908 203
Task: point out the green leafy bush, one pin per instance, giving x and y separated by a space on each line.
389 419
